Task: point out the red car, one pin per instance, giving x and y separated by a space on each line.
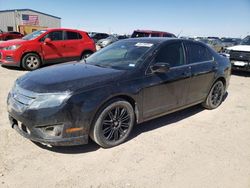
46 46
150 33
10 35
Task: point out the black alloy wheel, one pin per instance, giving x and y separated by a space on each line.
215 96
114 124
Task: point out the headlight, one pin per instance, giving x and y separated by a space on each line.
227 51
105 42
12 47
49 100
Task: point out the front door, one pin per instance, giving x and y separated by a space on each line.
54 50
166 91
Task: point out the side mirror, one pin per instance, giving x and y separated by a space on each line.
160 68
47 41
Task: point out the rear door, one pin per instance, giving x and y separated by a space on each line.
166 91
54 50
73 45
203 69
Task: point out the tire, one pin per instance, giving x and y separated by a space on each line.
85 55
215 96
31 61
113 123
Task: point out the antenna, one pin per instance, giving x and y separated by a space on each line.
179 33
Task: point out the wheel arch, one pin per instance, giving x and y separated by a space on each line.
220 78
86 51
30 52
125 97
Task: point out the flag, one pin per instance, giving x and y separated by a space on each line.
30 19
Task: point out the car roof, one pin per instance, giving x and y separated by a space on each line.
153 40
53 29
160 40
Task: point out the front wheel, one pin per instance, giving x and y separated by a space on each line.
215 96
31 61
113 124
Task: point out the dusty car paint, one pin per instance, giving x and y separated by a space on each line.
152 95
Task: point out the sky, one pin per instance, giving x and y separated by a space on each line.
222 18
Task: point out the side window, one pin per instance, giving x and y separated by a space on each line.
198 53
72 35
172 54
10 28
167 35
154 34
55 35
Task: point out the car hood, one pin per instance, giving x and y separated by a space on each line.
245 48
68 77
102 40
12 42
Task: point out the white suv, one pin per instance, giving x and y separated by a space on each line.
240 55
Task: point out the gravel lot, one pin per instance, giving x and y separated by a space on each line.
191 148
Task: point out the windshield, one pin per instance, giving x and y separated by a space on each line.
227 40
246 41
34 35
123 55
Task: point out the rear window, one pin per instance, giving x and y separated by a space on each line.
73 35
198 53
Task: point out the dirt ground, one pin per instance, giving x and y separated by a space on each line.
192 148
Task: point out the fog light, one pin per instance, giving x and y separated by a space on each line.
54 131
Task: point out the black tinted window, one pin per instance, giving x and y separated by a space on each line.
73 35
168 35
155 35
198 53
55 35
172 54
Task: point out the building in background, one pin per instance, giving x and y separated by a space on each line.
26 21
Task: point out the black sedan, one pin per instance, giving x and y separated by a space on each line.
129 82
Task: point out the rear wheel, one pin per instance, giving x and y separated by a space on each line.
113 124
215 96
31 61
85 55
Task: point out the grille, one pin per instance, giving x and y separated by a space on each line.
240 56
9 58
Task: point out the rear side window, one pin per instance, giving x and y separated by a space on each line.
168 35
172 54
72 35
155 35
55 35
198 53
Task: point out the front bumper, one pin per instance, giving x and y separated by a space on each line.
35 124
54 142
240 65
9 58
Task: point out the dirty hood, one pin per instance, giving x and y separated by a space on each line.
68 77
